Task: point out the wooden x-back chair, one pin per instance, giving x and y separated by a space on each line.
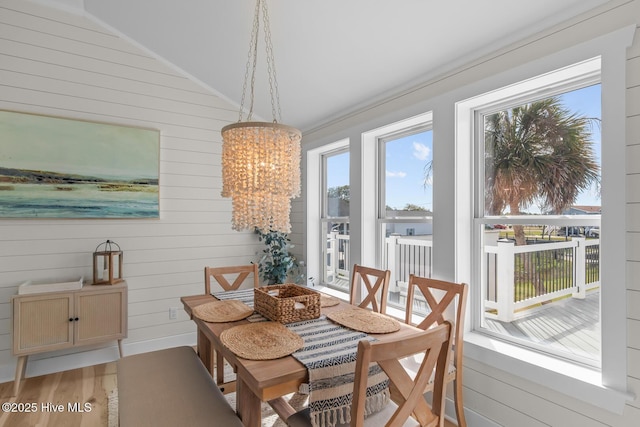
223 275
433 345
376 294
440 297
409 406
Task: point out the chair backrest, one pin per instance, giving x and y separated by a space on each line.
408 393
240 272
439 295
376 294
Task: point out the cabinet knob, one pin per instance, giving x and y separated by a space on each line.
70 319
76 319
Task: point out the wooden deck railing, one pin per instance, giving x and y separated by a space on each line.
521 277
518 278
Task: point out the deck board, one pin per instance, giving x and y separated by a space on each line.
571 326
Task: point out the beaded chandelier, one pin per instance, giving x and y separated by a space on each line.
261 160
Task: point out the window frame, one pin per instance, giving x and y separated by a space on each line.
580 76
372 173
325 218
315 189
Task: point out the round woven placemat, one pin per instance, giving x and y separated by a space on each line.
328 300
222 311
261 341
365 321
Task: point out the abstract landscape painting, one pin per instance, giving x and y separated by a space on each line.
53 167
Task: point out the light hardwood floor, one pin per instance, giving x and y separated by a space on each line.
77 387
90 385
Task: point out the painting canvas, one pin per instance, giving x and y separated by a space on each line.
53 167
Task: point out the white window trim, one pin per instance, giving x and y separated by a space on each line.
573 77
606 389
371 197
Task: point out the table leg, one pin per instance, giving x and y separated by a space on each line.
205 351
247 405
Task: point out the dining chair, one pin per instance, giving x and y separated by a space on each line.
237 273
440 297
376 294
409 406
222 275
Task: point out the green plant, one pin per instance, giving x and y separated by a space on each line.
277 263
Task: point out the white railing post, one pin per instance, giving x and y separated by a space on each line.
580 264
330 270
505 278
342 241
392 244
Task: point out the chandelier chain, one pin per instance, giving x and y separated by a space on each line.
252 58
252 61
271 66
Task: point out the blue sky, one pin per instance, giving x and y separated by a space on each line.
405 161
406 158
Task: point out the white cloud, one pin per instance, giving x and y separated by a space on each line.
421 151
396 174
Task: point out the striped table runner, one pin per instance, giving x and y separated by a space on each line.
244 295
329 353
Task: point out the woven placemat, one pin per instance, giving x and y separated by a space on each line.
365 321
222 311
261 341
328 300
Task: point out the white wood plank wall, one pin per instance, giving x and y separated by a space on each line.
632 414
61 64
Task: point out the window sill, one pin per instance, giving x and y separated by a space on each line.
578 382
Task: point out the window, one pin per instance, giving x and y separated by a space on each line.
601 377
406 206
327 194
335 219
536 199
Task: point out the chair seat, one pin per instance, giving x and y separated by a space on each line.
411 364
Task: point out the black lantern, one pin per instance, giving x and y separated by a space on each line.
107 264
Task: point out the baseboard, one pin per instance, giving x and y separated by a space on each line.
48 363
189 339
42 365
473 418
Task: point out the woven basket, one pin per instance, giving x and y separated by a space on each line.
287 303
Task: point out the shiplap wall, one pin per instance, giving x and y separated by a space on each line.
633 224
60 64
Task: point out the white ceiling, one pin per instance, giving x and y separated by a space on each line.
332 56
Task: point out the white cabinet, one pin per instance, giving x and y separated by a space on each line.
55 320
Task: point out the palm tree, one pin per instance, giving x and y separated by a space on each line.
537 152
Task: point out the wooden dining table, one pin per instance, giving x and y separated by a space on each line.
260 381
